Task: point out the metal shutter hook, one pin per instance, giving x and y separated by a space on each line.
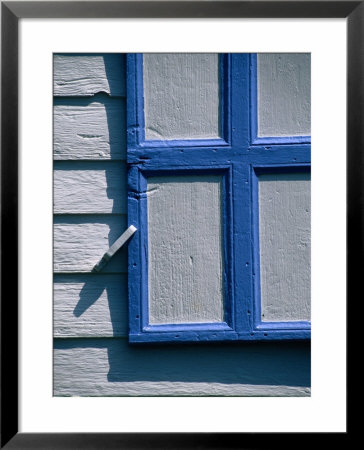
114 248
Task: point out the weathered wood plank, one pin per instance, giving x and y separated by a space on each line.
185 249
285 251
89 187
89 128
90 305
284 94
88 74
98 367
181 96
80 242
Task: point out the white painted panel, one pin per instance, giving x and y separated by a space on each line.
100 367
284 94
85 75
80 242
89 187
181 96
90 305
285 251
89 129
185 249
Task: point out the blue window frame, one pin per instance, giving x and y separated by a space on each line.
239 157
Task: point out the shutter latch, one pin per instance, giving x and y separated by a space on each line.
114 248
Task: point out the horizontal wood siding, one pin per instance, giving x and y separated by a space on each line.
89 187
92 356
80 242
93 367
90 305
81 75
89 195
89 128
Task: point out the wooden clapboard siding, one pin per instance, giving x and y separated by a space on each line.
89 187
81 240
86 75
89 196
90 305
89 128
93 367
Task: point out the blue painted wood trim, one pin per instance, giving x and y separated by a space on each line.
182 156
135 108
297 328
220 336
134 102
242 247
254 138
240 112
241 163
138 252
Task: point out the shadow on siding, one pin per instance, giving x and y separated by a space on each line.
116 124
278 364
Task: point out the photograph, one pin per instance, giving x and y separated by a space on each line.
181 192
174 273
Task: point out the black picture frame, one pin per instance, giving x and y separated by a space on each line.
11 12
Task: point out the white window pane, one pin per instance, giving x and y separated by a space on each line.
284 226
181 96
284 94
185 262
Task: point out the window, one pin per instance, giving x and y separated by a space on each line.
218 188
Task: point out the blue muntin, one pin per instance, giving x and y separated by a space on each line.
255 139
239 160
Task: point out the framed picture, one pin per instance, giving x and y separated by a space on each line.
239 329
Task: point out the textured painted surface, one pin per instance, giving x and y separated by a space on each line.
284 94
185 249
90 305
80 75
89 128
89 187
100 367
92 358
80 242
181 96
284 222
